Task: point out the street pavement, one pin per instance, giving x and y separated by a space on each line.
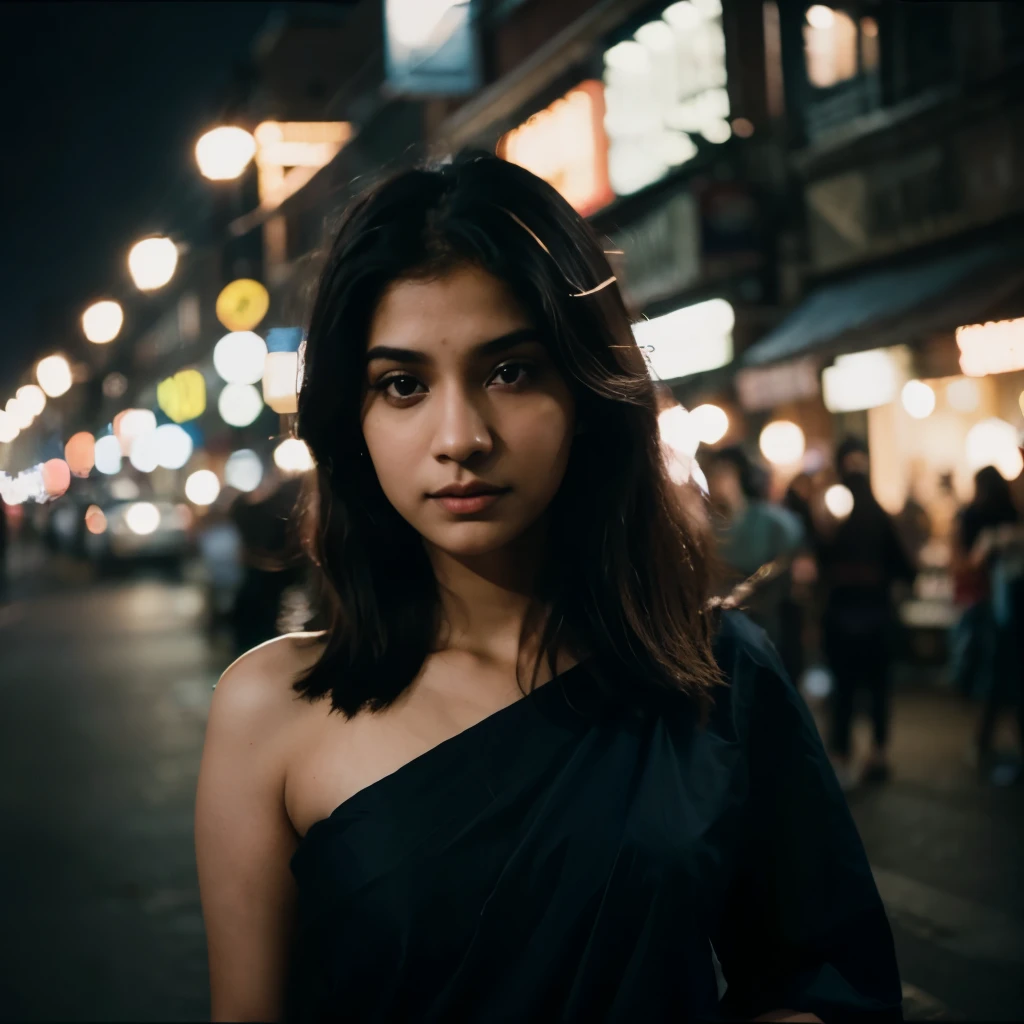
106 688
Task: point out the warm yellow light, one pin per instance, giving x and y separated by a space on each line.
142 518
152 263
19 413
963 395
202 487
710 423
782 443
839 501
280 381
918 399
292 456
224 153
101 322
994 347
242 304
32 397
54 375
677 431
95 520
183 396
994 442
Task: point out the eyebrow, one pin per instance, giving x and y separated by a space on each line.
487 348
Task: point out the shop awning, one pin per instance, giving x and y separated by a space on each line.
890 307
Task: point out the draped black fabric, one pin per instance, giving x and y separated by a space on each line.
561 861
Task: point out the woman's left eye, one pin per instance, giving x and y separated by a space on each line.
511 374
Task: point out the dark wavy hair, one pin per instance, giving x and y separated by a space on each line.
625 579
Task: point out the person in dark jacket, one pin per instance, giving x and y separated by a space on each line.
861 558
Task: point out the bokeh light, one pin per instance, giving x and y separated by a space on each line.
281 381
677 431
782 443
918 399
32 397
202 487
102 321
80 453
108 455
710 423
239 357
243 470
19 413
839 501
95 520
54 375
239 404
142 518
131 424
144 454
963 395
224 153
292 456
56 477
993 442
173 446
242 304
9 430
152 263
124 488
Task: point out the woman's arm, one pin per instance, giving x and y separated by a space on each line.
244 841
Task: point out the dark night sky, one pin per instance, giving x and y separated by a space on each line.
102 103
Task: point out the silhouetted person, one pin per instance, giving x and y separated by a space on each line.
861 557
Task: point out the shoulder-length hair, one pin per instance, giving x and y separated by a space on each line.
625 580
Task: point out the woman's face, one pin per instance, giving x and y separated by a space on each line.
462 397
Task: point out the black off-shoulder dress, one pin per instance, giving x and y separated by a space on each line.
557 862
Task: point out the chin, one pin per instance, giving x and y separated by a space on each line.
473 538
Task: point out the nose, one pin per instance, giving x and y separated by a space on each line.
461 430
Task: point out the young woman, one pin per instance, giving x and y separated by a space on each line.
509 783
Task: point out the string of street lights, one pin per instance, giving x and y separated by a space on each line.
241 358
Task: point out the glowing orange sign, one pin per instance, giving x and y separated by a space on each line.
566 145
991 348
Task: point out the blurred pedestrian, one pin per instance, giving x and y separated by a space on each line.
754 536
507 783
989 566
271 559
861 557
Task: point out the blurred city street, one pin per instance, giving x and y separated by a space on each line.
106 690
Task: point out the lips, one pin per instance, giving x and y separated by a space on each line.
468 499
470 490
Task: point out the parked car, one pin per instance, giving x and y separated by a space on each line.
131 532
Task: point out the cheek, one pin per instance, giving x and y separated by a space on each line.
394 450
539 437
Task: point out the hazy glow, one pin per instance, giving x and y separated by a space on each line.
54 375
292 456
95 520
820 16
782 443
677 431
993 442
202 487
243 470
173 446
963 395
839 501
56 477
32 397
131 424
239 404
115 385
280 381
9 430
863 380
80 453
224 153
689 340
918 399
142 518
19 413
124 488
710 423
152 263
239 357
102 321
994 347
108 455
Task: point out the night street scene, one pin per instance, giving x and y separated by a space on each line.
512 510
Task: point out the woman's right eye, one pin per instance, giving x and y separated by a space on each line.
399 385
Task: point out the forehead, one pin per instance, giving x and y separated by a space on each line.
460 308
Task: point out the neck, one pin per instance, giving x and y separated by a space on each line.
486 599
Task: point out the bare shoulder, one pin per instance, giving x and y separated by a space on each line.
257 689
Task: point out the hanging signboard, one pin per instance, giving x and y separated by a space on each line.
432 47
